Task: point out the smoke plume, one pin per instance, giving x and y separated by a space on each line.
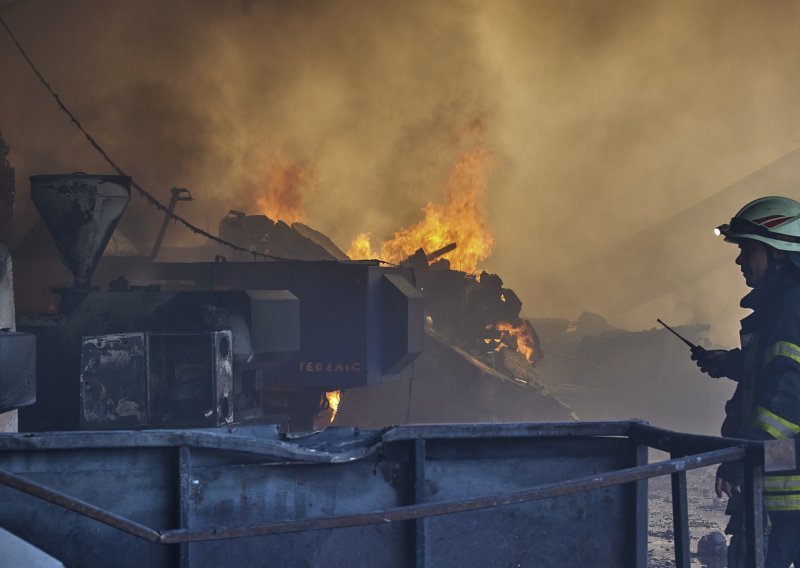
604 118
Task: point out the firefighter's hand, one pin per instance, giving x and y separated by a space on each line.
710 362
726 487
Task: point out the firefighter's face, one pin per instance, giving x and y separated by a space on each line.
753 261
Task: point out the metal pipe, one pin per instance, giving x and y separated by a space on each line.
668 441
680 520
177 194
754 517
411 512
420 544
439 252
78 506
513 430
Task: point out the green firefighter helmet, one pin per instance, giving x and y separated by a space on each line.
774 221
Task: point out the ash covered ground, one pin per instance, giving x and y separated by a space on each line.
706 515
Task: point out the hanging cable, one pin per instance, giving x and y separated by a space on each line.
145 194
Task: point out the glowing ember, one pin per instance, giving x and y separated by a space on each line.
520 335
334 397
458 219
278 193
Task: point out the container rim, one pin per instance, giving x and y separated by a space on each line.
122 180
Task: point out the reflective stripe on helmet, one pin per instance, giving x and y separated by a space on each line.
741 228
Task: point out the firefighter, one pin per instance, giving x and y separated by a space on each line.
766 403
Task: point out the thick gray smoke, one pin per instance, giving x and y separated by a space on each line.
605 119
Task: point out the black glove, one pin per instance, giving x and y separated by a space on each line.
732 472
712 362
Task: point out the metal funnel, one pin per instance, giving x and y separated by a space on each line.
81 211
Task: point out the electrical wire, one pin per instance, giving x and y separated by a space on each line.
144 193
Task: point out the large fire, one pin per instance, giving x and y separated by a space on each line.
521 336
279 192
458 219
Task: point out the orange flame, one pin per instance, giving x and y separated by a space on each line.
521 334
334 398
278 193
458 219
361 248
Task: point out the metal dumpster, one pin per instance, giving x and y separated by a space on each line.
483 495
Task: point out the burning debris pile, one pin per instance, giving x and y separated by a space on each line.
476 312
478 363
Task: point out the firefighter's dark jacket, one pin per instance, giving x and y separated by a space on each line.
766 404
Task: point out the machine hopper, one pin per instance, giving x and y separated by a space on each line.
81 212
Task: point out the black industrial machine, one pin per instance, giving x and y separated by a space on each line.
193 344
